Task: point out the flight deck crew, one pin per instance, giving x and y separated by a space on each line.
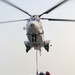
41 73
47 73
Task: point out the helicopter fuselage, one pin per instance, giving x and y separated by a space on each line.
35 33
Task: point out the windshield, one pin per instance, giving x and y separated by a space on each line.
35 18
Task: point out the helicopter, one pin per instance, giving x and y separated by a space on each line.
34 28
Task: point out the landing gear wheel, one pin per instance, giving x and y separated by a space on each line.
27 48
47 47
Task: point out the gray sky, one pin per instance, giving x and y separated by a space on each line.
61 58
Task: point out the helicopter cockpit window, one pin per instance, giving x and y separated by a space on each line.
32 18
28 20
35 18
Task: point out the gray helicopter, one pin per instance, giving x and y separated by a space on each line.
34 28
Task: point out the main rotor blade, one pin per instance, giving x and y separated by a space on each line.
13 21
7 2
46 12
51 19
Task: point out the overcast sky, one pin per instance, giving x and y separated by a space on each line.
61 58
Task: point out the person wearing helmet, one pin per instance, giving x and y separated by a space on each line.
47 73
41 73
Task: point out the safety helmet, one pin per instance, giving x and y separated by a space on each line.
47 73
